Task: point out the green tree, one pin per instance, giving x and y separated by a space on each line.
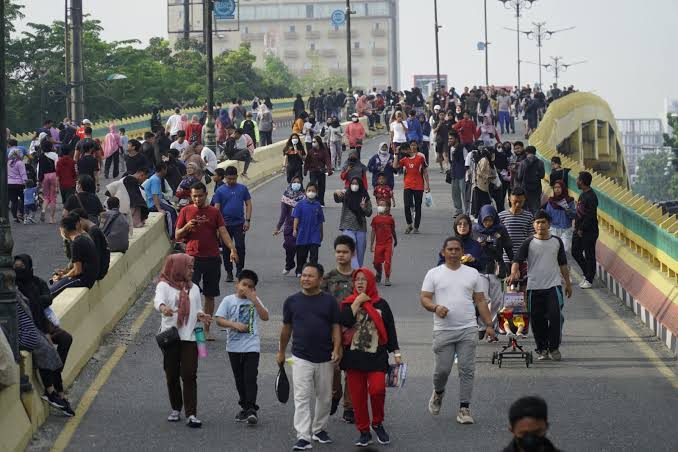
671 139
656 180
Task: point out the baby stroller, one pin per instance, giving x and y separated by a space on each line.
514 321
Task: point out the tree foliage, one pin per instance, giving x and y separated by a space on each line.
657 180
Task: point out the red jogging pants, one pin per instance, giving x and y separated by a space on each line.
383 255
360 385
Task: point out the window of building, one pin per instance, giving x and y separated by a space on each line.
312 46
309 11
356 45
292 28
376 26
307 65
309 27
336 28
247 30
371 44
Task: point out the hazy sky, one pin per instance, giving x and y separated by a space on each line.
629 46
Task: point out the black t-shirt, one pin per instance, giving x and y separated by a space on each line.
312 319
84 251
88 165
136 162
89 201
104 253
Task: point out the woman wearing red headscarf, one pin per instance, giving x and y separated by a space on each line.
178 299
370 336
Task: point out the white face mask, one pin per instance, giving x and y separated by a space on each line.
311 194
354 119
315 145
295 141
296 186
354 187
381 209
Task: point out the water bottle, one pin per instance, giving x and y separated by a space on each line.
200 341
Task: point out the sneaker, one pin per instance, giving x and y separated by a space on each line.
32 220
335 405
53 399
387 282
241 416
378 277
364 440
286 272
435 402
555 355
42 217
67 410
297 275
382 436
543 355
464 416
302 444
194 422
252 418
322 437
173 416
348 417
229 277
26 221
408 229
585 284
416 231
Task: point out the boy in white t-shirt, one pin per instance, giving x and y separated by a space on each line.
456 288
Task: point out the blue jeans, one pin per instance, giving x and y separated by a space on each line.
360 239
504 121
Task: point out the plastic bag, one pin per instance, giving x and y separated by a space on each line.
396 375
428 199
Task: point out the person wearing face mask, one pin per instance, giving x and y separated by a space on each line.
355 132
317 164
292 195
355 209
294 153
528 422
415 183
353 168
310 130
382 163
307 228
335 138
485 178
501 163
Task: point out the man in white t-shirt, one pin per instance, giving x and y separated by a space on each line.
181 143
173 123
208 156
456 288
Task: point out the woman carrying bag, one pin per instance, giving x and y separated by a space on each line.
179 302
369 338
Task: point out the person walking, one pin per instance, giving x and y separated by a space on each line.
518 223
265 124
353 168
355 208
586 230
562 210
16 182
290 198
456 288
311 318
111 148
415 183
234 202
295 153
177 298
335 140
318 165
382 163
48 179
383 239
355 134
67 175
546 270
307 228
530 173
485 179
457 158
369 338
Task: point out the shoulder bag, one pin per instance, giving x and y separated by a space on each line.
168 338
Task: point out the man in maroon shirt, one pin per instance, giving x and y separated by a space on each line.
67 176
198 225
467 131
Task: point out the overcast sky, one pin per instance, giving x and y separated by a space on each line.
629 46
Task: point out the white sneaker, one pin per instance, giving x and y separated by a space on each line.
174 416
286 272
585 285
435 403
464 416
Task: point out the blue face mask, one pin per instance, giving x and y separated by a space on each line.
296 186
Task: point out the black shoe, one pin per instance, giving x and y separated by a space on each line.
364 440
335 405
67 410
348 417
229 277
241 416
54 400
252 418
378 277
322 437
382 436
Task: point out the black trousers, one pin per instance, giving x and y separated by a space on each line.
292 172
319 178
424 149
66 193
499 195
413 198
584 252
245 370
303 253
533 201
547 320
238 237
115 160
63 342
16 199
266 138
180 360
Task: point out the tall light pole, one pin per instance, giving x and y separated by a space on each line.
207 31
349 69
76 82
557 66
437 28
540 34
487 70
518 5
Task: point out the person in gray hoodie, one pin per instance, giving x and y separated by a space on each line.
115 226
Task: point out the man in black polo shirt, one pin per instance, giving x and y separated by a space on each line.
586 230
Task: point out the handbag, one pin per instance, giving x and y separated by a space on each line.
448 176
347 336
282 385
167 338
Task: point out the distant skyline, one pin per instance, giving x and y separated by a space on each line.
631 67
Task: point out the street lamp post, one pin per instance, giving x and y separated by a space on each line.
557 66
518 5
437 29
209 121
349 68
487 58
540 34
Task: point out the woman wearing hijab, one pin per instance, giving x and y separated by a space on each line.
562 209
294 153
291 196
183 122
485 178
488 133
335 138
355 208
194 130
473 252
179 302
16 182
382 162
265 124
318 166
111 148
485 108
369 338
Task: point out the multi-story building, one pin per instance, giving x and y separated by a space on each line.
303 35
640 137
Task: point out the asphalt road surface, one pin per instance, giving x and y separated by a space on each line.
614 390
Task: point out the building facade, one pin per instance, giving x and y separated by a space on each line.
640 137
302 34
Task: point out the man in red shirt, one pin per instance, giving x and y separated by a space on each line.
66 174
198 225
467 130
415 183
383 232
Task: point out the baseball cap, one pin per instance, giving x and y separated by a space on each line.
86 121
436 107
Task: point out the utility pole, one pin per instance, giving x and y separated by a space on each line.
437 28
187 21
209 122
67 60
517 5
557 66
348 47
540 34
76 82
487 58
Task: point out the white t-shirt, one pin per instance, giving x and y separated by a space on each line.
169 296
173 123
453 289
181 147
399 132
210 158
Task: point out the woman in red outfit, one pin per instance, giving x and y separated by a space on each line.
370 336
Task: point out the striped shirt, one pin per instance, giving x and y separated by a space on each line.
519 227
28 333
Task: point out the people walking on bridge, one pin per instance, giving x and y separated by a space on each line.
335 138
530 174
518 223
355 208
48 179
16 182
456 288
562 210
234 202
240 313
318 166
457 154
546 270
369 338
177 298
381 164
307 228
290 198
355 134
586 230
415 183
294 153
383 239
338 282
311 319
